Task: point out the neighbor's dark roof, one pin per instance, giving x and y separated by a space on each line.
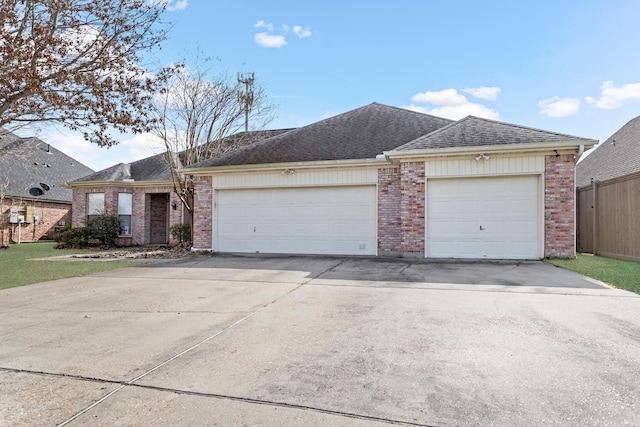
362 133
156 168
477 132
28 163
611 160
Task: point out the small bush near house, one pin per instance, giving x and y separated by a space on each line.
181 232
103 229
71 238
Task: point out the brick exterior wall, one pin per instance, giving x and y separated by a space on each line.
203 213
141 215
389 241
49 215
412 207
559 207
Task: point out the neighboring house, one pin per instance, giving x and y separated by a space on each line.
381 180
33 201
141 193
618 156
608 223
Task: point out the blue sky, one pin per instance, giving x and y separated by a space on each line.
569 66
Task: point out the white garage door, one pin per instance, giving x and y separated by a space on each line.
493 218
326 220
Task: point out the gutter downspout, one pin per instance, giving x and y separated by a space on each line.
580 152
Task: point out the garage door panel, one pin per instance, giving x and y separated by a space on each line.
320 220
483 218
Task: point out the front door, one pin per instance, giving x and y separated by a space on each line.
158 218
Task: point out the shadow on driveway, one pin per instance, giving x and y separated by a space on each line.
369 270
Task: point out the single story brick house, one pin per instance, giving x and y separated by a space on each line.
380 180
141 193
33 199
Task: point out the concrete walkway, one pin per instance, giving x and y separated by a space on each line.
264 340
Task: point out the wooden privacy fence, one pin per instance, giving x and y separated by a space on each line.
608 218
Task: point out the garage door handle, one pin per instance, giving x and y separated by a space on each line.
481 228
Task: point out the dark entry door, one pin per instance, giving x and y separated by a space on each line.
158 218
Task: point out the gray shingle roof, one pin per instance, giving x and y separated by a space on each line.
27 163
477 132
156 168
611 160
362 133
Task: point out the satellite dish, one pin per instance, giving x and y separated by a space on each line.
35 191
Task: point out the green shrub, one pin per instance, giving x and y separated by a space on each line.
181 232
104 228
60 232
69 237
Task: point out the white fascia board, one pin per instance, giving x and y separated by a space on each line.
117 184
484 149
321 164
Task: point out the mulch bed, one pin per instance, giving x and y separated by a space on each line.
140 252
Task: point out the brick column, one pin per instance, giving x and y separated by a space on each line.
79 207
412 208
202 213
388 211
559 207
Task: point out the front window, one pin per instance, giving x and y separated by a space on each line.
125 202
95 205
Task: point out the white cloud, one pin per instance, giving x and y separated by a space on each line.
129 149
443 97
142 145
556 107
612 97
457 112
490 93
270 40
173 6
301 32
263 24
450 104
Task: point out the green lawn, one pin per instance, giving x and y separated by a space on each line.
17 270
615 272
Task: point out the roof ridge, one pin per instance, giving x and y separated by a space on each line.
499 122
406 110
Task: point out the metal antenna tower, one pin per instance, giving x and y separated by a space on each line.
246 97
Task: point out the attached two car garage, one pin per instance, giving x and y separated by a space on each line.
312 220
477 218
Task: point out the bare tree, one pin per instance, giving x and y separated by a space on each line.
197 116
76 63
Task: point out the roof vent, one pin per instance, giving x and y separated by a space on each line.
44 186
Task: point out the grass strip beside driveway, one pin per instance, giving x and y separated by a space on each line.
616 272
17 270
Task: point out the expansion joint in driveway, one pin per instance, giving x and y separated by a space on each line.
171 359
123 384
323 272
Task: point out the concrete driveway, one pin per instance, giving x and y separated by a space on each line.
261 340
